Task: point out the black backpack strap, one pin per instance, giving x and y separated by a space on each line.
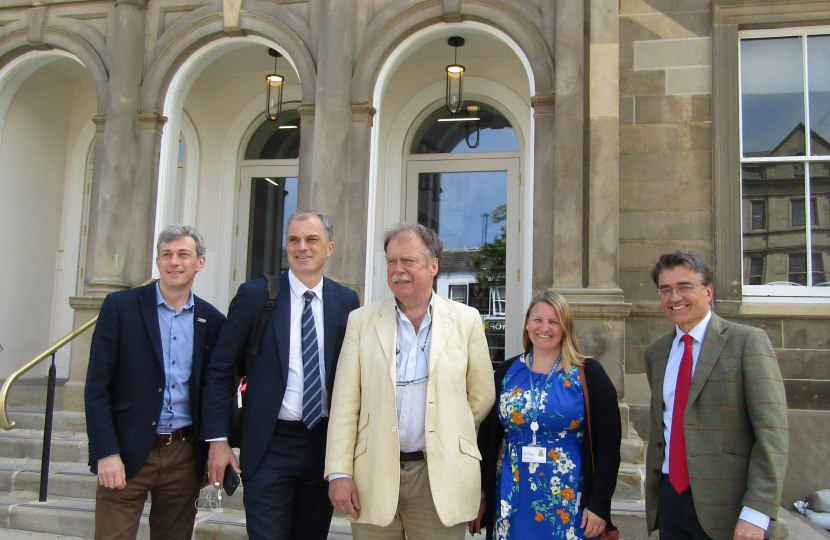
273 291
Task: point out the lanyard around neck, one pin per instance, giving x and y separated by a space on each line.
534 398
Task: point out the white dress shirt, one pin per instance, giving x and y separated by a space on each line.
412 363
697 333
292 402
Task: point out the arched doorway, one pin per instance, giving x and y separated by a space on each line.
47 101
426 171
215 102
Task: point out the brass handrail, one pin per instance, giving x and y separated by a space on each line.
4 392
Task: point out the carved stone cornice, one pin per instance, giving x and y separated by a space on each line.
136 3
100 121
151 121
363 112
306 113
543 103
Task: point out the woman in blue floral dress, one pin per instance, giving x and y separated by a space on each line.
535 441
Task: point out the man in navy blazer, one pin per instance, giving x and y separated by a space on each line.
290 380
143 390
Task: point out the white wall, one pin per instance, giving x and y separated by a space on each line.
42 124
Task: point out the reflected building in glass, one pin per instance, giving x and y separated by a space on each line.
781 224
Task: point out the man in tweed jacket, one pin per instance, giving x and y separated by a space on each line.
727 484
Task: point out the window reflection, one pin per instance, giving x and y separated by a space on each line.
781 225
767 251
468 210
820 221
818 58
772 94
495 134
276 140
273 200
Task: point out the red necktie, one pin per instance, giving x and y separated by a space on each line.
678 467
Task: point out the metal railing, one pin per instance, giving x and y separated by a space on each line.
6 424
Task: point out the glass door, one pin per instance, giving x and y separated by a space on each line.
472 203
267 197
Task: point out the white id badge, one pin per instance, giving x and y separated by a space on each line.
533 454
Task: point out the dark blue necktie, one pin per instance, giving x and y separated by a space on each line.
312 390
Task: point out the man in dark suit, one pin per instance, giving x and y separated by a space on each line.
290 381
718 443
143 390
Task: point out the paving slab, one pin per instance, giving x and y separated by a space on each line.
22 535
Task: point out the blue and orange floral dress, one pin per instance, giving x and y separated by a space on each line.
540 500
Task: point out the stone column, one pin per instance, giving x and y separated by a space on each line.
604 147
117 251
333 191
125 178
568 188
304 180
357 199
545 182
602 304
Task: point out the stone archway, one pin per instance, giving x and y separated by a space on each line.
60 39
47 101
402 33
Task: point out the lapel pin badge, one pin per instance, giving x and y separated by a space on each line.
201 320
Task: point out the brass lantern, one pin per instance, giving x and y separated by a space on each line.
273 93
455 78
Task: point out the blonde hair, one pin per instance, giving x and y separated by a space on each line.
569 346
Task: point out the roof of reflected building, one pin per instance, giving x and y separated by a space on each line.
456 260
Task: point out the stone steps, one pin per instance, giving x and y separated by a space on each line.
76 517
32 393
28 445
32 418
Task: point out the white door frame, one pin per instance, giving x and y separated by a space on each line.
495 161
277 168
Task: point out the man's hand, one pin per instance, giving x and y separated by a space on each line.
745 530
343 495
111 473
592 523
475 525
219 456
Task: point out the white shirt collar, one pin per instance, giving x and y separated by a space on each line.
400 314
699 330
298 288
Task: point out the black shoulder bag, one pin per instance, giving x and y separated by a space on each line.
235 436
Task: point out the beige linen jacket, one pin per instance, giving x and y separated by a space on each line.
363 424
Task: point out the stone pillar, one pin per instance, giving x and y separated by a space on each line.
117 251
568 188
357 199
603 303
304 180
604 146
545 211
125 179
333 191
85 307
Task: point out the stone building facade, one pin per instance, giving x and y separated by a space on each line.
611 131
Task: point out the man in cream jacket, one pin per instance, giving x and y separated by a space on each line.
413 382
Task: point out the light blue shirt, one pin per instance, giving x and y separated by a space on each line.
176 329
